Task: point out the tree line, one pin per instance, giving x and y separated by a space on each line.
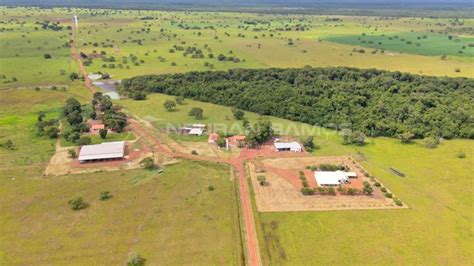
374 102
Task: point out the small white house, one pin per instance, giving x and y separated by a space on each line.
196 131
288 146
332 178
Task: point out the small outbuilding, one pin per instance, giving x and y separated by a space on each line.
288 146
103 151
195 131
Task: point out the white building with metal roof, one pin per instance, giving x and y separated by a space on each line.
332 178
288 146
103 151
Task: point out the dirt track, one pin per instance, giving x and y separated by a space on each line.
77 57
238 163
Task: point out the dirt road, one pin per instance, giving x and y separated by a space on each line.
253 252
75 54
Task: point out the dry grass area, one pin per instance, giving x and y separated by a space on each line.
282 191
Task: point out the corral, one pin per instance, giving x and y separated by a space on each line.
282 189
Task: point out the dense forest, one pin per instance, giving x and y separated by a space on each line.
378 103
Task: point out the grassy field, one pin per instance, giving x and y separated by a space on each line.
412 43
140 43
169 218
437 189
19 110
437 229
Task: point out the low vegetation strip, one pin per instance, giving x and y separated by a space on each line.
378 103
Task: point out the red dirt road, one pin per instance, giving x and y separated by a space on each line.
77 57
253 252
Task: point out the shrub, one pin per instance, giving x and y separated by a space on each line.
83 141
47 56
331 191
194 152
134 259
105 195
8 144
352 191
103 133
210 188
307 191
461 155
77 204
430 142
72 153
388 195
398 202
262 180
148 163
383 189
377 184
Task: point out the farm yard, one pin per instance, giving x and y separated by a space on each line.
258 192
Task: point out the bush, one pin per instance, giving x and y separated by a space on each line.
134 259
352 191
8 144
103 133
148 163
383 189
105 195
83 141
262 180
377 184
331 191
430 142
461 155
47 56
210 188
388 195
72 153
398 202
194 152
307 191
77 204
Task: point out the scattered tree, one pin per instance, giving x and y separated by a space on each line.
77 204
103 133
197 112
169 105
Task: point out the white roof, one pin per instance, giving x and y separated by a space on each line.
199 125
350 174
196 131
106 150
330 177
288 145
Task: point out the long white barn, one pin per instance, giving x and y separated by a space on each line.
103 151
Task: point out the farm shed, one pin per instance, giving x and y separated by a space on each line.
288 146
332 178
103 151
196 131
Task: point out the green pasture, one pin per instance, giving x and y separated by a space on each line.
169 218
412 43
436 229
19 109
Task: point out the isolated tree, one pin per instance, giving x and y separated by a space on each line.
169 105
238 114
73 76
77 204
47 56
197 112
105 195
308 143
103 133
